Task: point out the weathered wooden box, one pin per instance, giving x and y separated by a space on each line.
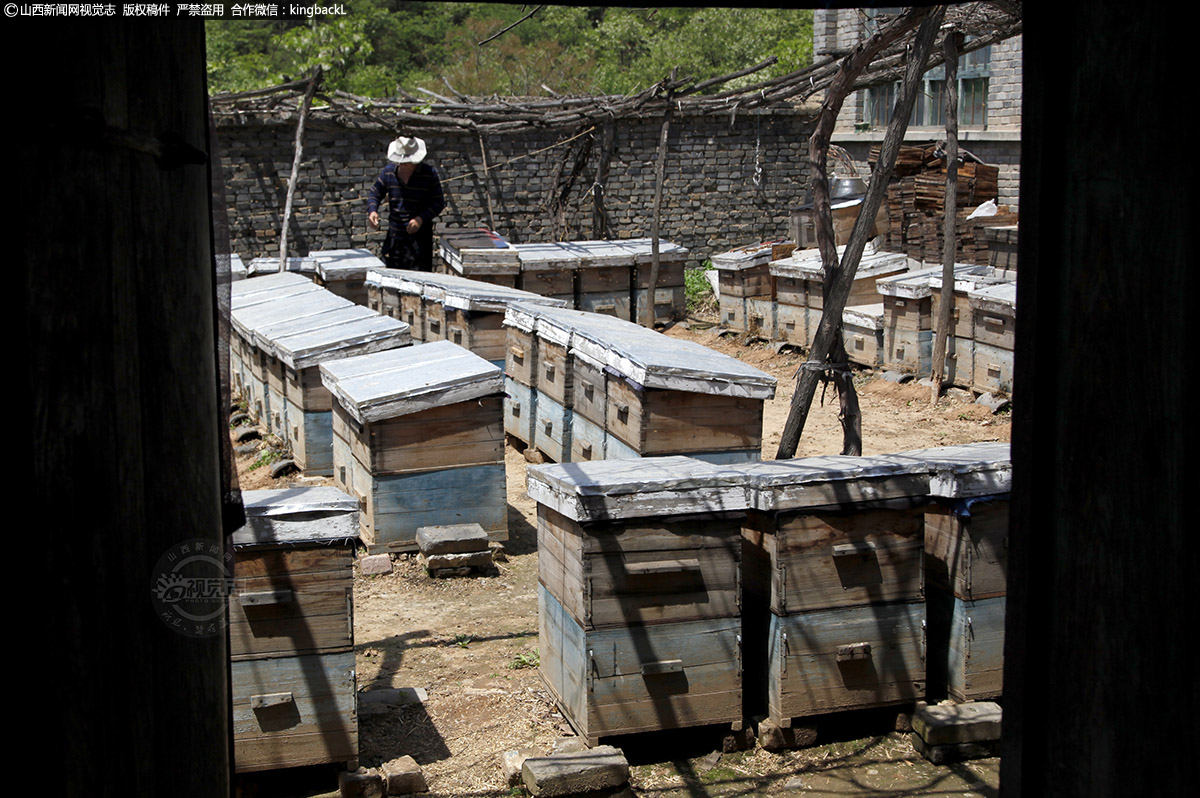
639 617
670 294
862 331
298 351
344 271
833 583
994 311
743 272
1001 246
966 559
291 630
419 440
480 255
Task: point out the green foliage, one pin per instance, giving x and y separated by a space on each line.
698 291
378 46
266 456
526 659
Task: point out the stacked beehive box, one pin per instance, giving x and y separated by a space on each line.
746 288
993 313
297 351
237 267
344 271
832 563
299 265
602 388
291 630
966 558
961 337
481 255
610 277
467 312
639 593
845 213
800 288
419 440
255 302
910 315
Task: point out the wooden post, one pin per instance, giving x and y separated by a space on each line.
486 192
655 227
299 151
842 279
946 311
600 225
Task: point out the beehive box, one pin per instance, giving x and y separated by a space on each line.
966 565
466 312
994 310
862 331
291 630
832 564
237 268
298 265
344 271
481 255
805 266
742 276
355 330
670 293
802 230
251 309
419 440
1001 246
639 620
661 395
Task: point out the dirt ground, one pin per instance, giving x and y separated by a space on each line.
470 643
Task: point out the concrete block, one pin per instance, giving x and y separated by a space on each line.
393 696
361 783
374 564
954 752
600 768
451 539
949 723
403 776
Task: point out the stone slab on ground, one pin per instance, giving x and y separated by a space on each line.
511 763
403 776
445 562
361 783
451 539
949 723
393 696
375 564
955 752
773 737
600 768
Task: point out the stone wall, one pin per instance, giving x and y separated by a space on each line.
534 190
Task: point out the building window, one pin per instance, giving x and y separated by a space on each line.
929 110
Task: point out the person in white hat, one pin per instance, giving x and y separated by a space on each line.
414 194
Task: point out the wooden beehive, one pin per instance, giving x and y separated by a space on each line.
480 255
670 293
862 331
832 569
660 395
419 441
354 330
845 213
745 286
344 271
638 595
966 559
254 310
291 630
994 312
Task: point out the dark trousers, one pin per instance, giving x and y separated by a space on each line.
412 252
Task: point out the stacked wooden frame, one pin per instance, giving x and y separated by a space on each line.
344 271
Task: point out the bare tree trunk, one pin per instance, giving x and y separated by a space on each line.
659 176
840 277
291 189
600 225
949 244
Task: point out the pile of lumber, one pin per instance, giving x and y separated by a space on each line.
916 203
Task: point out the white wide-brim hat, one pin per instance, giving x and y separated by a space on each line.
406 150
